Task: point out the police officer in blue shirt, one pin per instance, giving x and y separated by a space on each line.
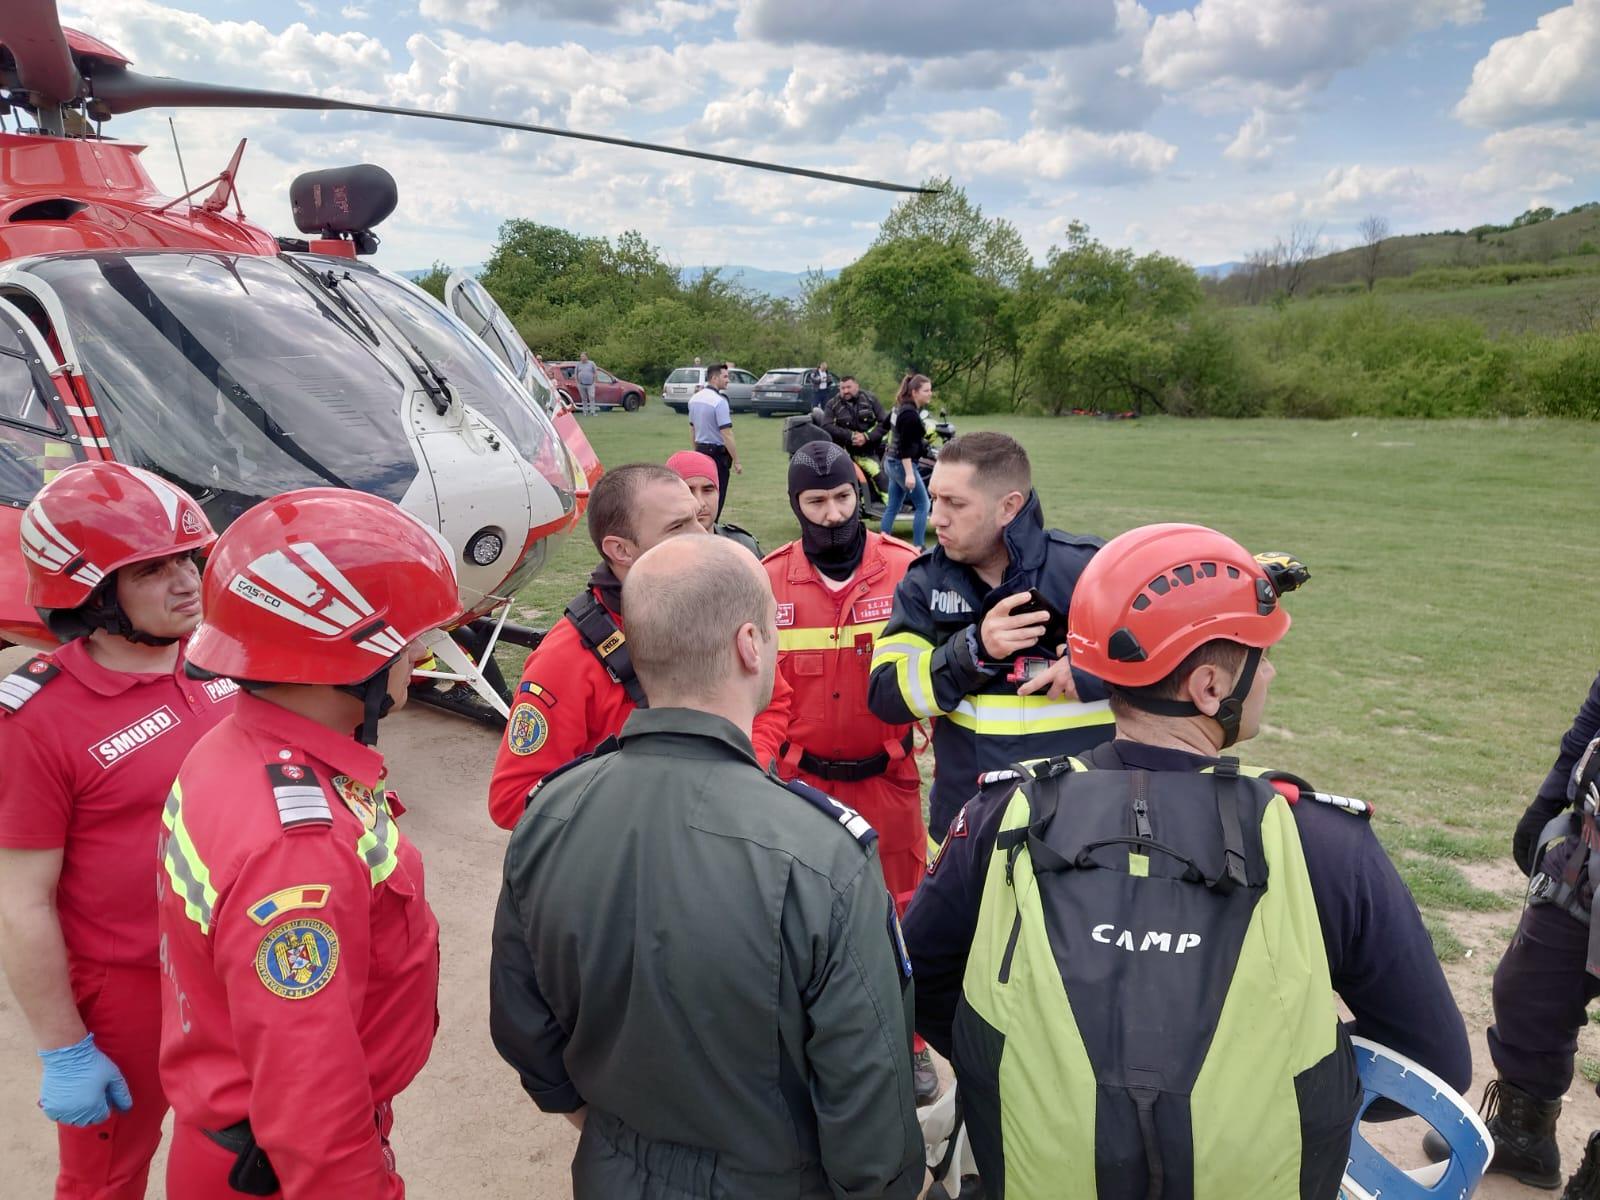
711 429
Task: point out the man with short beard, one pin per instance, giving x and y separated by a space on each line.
91 736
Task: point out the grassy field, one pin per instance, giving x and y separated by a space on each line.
1548 307
1448 634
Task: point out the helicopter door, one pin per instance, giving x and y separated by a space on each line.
470 301
34 440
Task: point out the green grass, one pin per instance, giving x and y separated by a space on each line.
1447 636
1551 307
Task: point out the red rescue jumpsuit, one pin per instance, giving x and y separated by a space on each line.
825 640
88 756
567 703
301 956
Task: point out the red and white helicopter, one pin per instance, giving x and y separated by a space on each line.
175 335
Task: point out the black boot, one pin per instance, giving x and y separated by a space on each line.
1524 1132
1585 1181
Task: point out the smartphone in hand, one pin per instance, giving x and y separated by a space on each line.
1055 630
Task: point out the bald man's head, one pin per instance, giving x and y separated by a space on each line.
701 622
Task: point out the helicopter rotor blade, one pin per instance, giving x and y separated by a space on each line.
31 31
117 90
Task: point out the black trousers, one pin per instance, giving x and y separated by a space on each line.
724 461
1542 991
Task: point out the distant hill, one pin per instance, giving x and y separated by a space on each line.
1529 239
781 285
1218 270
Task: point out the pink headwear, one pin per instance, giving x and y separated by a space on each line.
690 463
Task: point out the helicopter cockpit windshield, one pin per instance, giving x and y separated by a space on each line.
228 374
470 373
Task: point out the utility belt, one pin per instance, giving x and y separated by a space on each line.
845 770
1563 889
715 451
252 1173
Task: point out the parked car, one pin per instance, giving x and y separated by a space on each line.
609 391
783 390
683 383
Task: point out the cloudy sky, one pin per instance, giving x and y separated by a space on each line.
1199 128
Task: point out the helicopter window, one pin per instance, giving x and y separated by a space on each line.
21 398
230 375
471 373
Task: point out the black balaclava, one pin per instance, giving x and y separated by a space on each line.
836 550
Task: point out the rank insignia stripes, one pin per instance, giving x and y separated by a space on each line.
23 684
300 798
854 823
310 895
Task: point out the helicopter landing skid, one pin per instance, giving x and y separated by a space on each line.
479 692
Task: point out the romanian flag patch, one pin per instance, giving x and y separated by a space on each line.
309 895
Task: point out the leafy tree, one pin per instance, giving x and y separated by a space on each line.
921 298
433 282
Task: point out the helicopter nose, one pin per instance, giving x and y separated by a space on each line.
494 510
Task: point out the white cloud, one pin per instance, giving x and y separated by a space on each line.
813 106
173 42
960 124
1525 163
1288 45
1099 87
914 28
629 15
1544 73
1258 141
1070 156
1345 190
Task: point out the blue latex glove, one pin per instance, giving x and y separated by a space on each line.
78 1081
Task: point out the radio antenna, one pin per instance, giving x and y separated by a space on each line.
178 150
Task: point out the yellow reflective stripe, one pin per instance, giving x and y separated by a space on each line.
1015 716
826 637
185 868
912 659
378 845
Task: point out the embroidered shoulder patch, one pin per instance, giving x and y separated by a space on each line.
359 799
298 958
301 800
527 729
309 895
854 823
23 684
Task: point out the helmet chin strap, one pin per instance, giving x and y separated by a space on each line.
104 611
1229 713
373 692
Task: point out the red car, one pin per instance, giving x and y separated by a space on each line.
609 391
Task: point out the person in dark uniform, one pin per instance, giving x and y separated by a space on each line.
856 422
1186 665
700 963
964 620
1548 976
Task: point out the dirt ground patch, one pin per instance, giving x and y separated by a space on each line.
466 1130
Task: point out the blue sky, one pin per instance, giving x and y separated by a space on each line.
1202 129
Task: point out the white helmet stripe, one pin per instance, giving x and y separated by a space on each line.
315 558
241 585
163 491
43 542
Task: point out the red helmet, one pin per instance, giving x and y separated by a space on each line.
1153 595
95 517
321 586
